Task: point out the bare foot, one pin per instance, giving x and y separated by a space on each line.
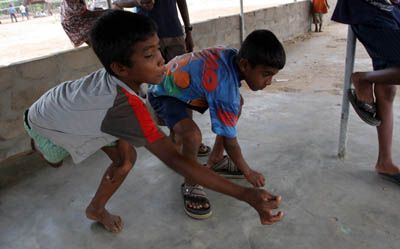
111 223
387 167
363 88
264 202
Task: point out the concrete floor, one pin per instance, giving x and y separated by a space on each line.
290 134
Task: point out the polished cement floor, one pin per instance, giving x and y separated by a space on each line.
291 136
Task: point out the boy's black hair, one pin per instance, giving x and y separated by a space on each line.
261 47
116 32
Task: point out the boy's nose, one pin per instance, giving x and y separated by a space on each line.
269 81
161 61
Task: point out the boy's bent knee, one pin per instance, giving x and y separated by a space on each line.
126 167
186 127
385 92
127 153
117 173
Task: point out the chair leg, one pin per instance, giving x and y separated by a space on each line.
349 67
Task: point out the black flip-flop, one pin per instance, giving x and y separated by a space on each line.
366 111
204 150
393 178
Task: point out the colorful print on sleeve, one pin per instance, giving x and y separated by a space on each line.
206 79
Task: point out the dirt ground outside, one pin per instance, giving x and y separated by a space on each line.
43 36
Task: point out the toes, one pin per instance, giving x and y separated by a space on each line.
197 205
118 224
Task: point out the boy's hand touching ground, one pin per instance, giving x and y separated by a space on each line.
264 202
255 178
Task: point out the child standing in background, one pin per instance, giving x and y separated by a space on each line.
319 8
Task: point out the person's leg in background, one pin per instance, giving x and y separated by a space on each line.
385 95
321 20
315 21
381 40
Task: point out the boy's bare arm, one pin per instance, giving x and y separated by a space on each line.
234 151
259 199
183 9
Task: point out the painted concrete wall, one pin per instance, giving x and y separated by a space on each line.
21 84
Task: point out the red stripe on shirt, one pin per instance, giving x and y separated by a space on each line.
227 118
146 122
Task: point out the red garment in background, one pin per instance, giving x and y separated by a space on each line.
77 20
320 6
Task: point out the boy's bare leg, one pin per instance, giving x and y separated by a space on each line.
385 95
123 157
188 134
202 146
178 144
217 152
363 82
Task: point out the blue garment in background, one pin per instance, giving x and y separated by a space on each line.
165 14
12 10
363 11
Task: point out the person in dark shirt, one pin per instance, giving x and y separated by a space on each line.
173 41
376 24
12 11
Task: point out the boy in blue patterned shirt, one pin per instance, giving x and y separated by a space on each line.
210 79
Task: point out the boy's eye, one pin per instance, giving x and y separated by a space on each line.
147 56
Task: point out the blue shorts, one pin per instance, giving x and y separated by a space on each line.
381 39
171 110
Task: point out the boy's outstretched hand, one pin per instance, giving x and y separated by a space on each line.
255 178
264 202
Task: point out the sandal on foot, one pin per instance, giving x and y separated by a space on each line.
204 150
366 111
227 168
391 177
195 193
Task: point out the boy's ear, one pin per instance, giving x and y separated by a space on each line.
118 69
243 65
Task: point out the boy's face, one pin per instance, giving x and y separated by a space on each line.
147 63
257 77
